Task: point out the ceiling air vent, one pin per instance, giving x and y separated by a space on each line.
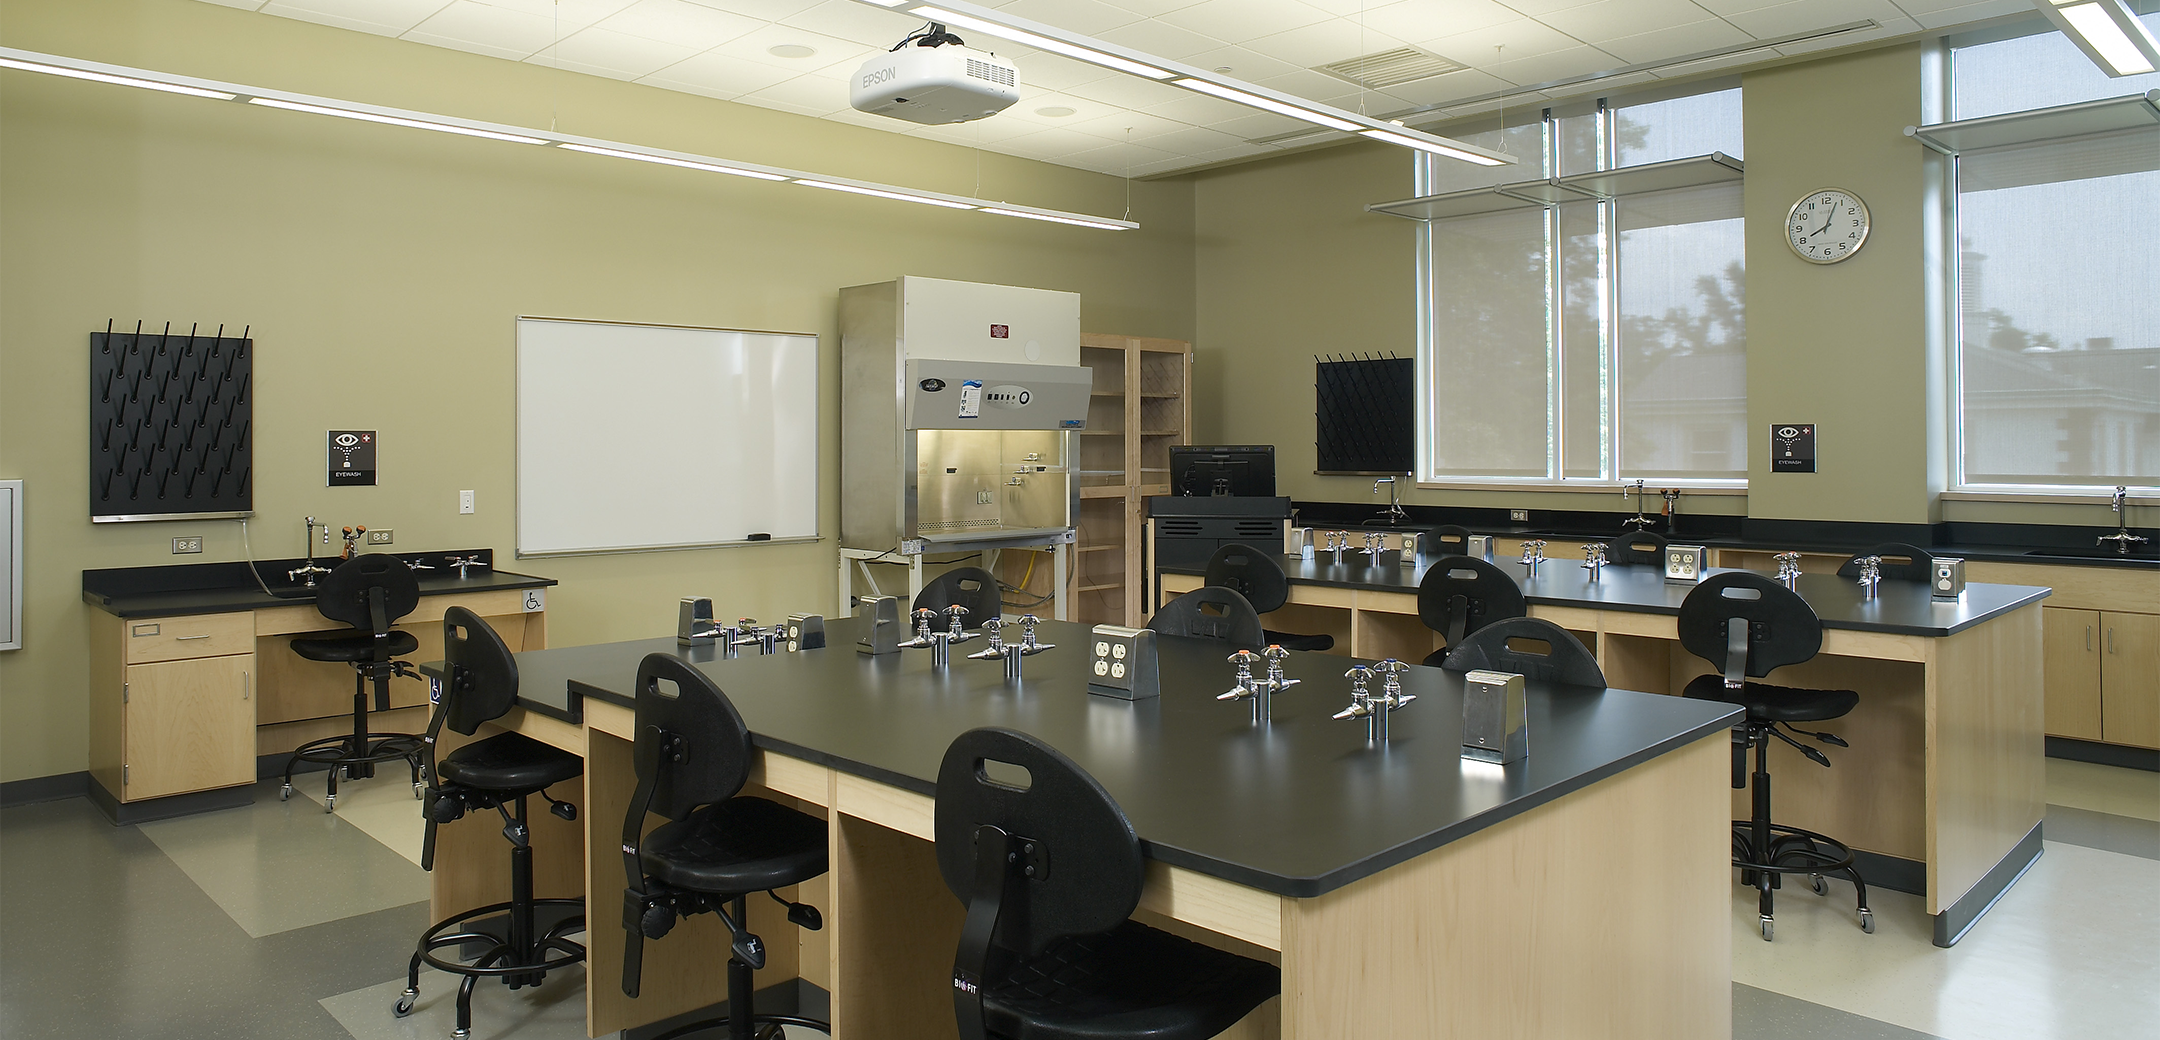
1388 68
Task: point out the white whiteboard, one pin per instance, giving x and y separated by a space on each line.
635 437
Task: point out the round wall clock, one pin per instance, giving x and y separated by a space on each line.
1826 226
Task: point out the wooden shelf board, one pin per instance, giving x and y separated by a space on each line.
1113 547
1103 491
1102 588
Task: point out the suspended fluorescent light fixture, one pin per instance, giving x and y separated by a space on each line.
101 77
75 68
1177 74
667 160
371 117
2108 32
885 193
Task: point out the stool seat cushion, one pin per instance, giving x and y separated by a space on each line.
1132 981
737 846
1767 703
1293 641
509 763
353 648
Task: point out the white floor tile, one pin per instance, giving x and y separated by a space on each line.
2108 789
383 807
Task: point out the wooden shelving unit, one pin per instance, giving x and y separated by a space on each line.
1141 404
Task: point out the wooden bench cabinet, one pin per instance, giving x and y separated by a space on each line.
172 705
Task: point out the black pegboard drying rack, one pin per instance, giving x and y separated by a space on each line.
171 425
1364 414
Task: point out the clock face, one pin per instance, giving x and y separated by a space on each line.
1827 226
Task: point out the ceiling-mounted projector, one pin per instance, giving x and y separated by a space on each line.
938 80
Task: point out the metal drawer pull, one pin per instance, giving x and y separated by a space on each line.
2111 639
247 683
183 639
2088 639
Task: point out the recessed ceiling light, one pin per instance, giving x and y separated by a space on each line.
1055 111
791 50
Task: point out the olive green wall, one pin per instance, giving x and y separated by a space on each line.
381 269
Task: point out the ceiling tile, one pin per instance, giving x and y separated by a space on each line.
1153 8
1161 39
1057 72
1320 87
1236 21
570 15
1091 17
831 55
1117 158
816 94
1955 16
381 17
1610 19
1127 92
1575 61
1113 126
680 22
1243 63
469 46
860 23
719 75
1693 38
1803 15
1522 38
245 5
500 30
990 132
1721 8
1055 141
764 10
1027 109
1890 27
761 100
622 56
1325 42
1190 140
1431 19
1198 109
1259 124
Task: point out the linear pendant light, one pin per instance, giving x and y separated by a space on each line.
75 68
1178 74
2108 32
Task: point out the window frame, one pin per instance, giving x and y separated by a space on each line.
1612 421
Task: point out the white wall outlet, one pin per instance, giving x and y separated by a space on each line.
1520 516
379 536
189 544
464 501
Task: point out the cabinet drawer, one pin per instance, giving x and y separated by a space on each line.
179 638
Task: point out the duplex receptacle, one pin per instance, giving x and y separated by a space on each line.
189 544
379 536
1520 516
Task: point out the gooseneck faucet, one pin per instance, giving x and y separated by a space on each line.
2122 537
1394 514
310 569
1638 521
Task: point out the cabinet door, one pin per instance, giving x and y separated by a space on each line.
189 726
2130 679
2070 647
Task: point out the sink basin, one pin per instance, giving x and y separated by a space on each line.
2098 553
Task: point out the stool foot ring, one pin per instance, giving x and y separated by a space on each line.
567 952
1795 850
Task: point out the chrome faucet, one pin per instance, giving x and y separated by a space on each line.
464 564
1638 521
1394 514
309 570
1375 544
2122 537
1788 568
1533 553
1259 691
923 617
1028 645
1594 559
957 631
995 648
1870 575
1375 709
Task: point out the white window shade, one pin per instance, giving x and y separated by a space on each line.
1488 370
1682 336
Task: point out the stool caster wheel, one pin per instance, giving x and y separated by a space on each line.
405 1002
1867 920
1766 929
329 804
285 793
1816 882
461 1034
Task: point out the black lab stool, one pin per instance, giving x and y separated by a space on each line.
370 593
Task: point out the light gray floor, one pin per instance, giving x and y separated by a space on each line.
282 922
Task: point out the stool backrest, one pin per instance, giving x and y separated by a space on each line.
352 590
1644 547
970 587
1034 858
1254 574
1565 659
1900 562
692 746
1781 628
1211 612
1461 594
1449 540
482 680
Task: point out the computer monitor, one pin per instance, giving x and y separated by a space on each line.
1214 470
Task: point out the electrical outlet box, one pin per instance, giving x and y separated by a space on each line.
464 502
1520 516
379 536
189 544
